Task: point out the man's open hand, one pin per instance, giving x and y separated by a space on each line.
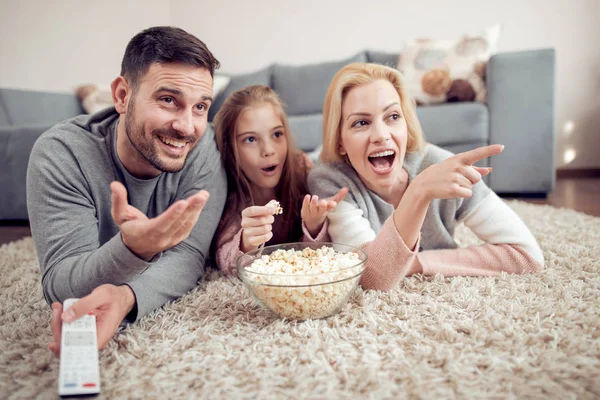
146 237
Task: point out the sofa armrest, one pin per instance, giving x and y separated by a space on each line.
520 92
16 143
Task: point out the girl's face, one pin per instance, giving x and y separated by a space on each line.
262 145
374 134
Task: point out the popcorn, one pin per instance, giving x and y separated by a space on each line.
304 284
275 204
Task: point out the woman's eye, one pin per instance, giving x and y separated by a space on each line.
360 122
278 134
395 116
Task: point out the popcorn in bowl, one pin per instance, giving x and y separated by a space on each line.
303 280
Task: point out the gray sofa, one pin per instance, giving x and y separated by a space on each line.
519 114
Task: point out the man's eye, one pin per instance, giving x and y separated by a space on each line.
168 100
201 107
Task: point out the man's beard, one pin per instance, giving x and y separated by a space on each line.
145 147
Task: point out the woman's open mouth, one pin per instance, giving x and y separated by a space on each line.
382 162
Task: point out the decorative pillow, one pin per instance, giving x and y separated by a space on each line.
94 98
220 82
438 71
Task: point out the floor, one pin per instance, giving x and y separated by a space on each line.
581 194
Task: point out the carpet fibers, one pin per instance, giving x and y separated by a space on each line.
530 336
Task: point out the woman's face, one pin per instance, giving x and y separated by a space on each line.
262 145
374 134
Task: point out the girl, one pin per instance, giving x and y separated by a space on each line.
262 163
406 196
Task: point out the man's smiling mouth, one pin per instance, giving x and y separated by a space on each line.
172 142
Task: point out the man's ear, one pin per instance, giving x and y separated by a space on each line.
121 93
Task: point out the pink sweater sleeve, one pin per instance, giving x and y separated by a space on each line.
322 236
227 253
481 260
389 259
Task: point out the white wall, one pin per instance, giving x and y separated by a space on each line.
57 45
81 41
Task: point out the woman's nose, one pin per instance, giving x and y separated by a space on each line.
380 132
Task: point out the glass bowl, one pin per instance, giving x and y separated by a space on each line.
303 296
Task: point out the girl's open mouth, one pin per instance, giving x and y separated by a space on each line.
270 169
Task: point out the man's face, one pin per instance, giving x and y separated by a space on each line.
167 115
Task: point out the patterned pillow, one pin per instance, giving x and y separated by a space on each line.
438 71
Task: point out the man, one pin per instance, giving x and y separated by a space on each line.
119 201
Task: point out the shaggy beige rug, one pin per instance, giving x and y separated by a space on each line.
506 337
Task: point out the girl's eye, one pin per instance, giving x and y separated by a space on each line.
360 122
250 139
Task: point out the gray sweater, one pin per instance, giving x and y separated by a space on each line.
438 228
69 202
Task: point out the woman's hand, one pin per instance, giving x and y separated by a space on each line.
314 211
257 226
455 176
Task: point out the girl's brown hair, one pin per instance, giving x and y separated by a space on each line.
292 185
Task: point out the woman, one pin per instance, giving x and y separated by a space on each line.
406 196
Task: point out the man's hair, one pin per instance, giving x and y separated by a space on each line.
164 44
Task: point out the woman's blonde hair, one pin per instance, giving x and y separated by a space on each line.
349 77
292 185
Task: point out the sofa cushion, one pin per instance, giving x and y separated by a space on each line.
31 107
237 82
307 130
383 58
302 88
4 121
454 124
15 147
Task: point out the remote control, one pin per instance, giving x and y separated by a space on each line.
79 373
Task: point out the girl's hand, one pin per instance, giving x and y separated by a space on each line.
257 226
455 176
314 211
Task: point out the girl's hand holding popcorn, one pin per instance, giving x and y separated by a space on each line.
257 225
314 211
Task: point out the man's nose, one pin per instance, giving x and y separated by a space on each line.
184 123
